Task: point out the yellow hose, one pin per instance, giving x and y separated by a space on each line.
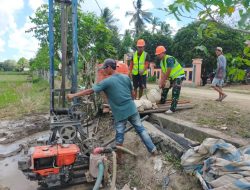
126 150
114 171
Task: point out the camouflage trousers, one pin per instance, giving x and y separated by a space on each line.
176 85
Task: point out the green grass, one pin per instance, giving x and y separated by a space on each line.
13 78
19 97
175 161
13 73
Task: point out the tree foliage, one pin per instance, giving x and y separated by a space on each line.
238 65
8 65
154 40
155 21
41 61
22 63
199 39
164 29
94 38
139 17
126 44
216 10
108 18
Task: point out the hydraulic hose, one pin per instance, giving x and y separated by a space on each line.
114 171
100 176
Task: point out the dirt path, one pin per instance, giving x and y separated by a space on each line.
241 101
230 116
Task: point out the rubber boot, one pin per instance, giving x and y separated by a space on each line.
119 156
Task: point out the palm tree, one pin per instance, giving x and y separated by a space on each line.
108 18
138 17
155 21
164 29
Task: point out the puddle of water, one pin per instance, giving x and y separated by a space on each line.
10 176
12 147
13 178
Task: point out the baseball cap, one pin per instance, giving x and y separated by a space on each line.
109 63
219 48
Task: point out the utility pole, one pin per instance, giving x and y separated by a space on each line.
64 30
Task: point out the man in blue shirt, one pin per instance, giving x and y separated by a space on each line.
118 89
220 74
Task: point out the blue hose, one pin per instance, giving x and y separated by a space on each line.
100 175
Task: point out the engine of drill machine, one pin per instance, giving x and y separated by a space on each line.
54 165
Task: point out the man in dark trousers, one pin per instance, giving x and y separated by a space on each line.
118 89
139 68
172 75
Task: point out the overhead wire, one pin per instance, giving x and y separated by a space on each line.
98 5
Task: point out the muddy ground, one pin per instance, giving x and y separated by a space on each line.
13 130
143 172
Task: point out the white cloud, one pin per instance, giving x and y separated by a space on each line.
23 42
16 38
11 5
167 2
34 4
174 25
119 9
2 43
7 11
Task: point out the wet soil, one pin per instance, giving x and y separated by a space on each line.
139 173
13 130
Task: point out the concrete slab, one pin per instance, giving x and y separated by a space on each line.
165 143
195 132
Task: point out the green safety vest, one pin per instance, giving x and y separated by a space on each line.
176 71
139 64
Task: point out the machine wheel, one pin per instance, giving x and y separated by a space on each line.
67 133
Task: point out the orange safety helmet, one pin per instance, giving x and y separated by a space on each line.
159 50
140 43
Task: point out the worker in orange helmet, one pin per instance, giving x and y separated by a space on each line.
138 68
172 75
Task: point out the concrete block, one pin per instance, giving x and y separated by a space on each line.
195 132
163 142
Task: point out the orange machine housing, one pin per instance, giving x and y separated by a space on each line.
48 159
120 68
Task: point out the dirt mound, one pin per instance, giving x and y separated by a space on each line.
147 172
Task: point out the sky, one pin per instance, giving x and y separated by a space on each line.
14 21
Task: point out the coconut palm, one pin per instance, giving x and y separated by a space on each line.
108 18
155 21
138 17
164 29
